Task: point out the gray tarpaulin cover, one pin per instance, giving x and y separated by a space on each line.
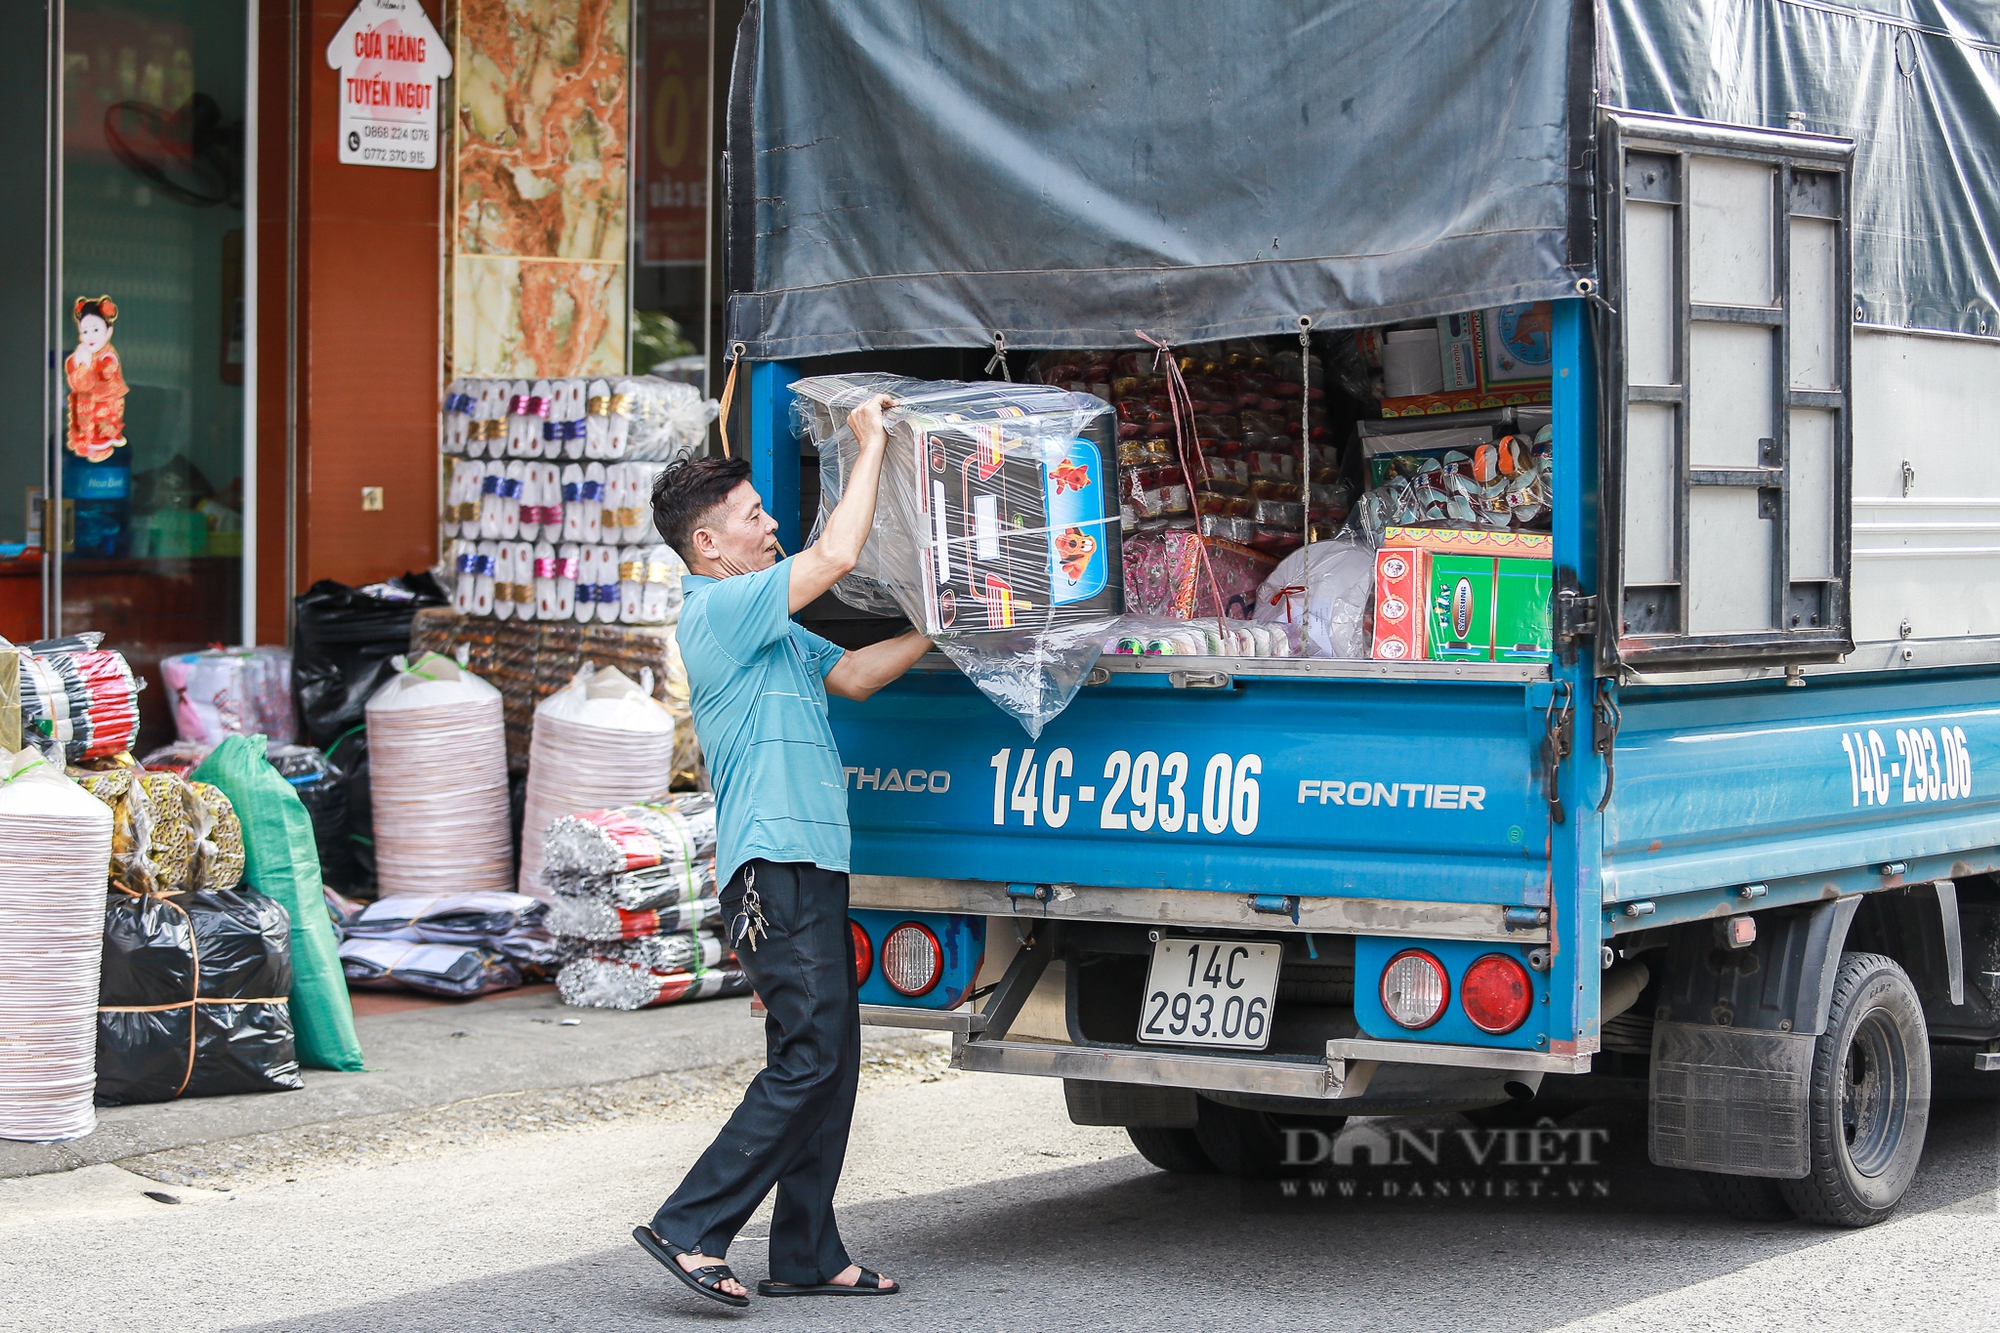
909 174
927 174
1914 83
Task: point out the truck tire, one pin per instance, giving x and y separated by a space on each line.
1175 1150
1745 1198
1250 1145
1869 1103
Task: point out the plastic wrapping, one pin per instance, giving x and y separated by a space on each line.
1324 589
438 777
586 849
456 971
996 527
599 742
323 789
634 417
511 924
594 919
684 951
194 998
609 983
343 640
54 844
1136 636
235 691
78 701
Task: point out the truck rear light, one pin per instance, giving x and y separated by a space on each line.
1415 988
1496 994
864 951
912 960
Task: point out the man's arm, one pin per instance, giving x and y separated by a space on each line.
862 671
832 558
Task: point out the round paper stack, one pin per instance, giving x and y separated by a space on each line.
599 742
437 758
55 852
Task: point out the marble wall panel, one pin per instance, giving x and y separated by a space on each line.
527 319
540 174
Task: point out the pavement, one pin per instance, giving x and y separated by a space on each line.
424 1054
511 1210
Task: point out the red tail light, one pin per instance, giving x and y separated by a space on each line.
1496 994
864 951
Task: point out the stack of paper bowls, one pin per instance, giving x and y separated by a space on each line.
437 760
599 742
55 854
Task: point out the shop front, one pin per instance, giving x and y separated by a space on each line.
123 478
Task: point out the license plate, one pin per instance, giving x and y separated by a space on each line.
1210 993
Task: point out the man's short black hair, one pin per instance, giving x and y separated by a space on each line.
687 492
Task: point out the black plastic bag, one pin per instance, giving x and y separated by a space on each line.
323 790
342 641
193 1001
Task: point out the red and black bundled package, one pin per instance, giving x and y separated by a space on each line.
78 701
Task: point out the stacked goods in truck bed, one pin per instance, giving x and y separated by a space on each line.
1463 596
636 904
1239 478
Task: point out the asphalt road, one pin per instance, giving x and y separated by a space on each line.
998 1214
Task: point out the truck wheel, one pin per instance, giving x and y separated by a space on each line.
1869 1103
1745 1198
1173 1150
1250 1145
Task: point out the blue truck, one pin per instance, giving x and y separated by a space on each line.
1731 847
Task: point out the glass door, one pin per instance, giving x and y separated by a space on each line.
148 449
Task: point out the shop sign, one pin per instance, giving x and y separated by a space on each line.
390 59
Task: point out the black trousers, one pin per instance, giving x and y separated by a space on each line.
790 1132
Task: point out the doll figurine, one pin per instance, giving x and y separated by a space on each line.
96 382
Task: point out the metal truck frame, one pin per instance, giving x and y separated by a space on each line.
1763 586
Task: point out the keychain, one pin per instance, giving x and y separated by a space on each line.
749 922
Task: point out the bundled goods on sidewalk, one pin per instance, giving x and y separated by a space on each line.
636 894
232 691
438 760
454 971
78 700
601 741
197 973
512 925
55 842
528 662
342 642
282 862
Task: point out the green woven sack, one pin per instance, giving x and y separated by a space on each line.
280 859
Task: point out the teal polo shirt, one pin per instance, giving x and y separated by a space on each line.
758 690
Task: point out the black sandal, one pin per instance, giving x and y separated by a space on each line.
868 1284
707 1279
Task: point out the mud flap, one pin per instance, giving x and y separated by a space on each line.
1094 1102
1730 1100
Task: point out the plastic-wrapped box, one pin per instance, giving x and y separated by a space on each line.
234 691
997 525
